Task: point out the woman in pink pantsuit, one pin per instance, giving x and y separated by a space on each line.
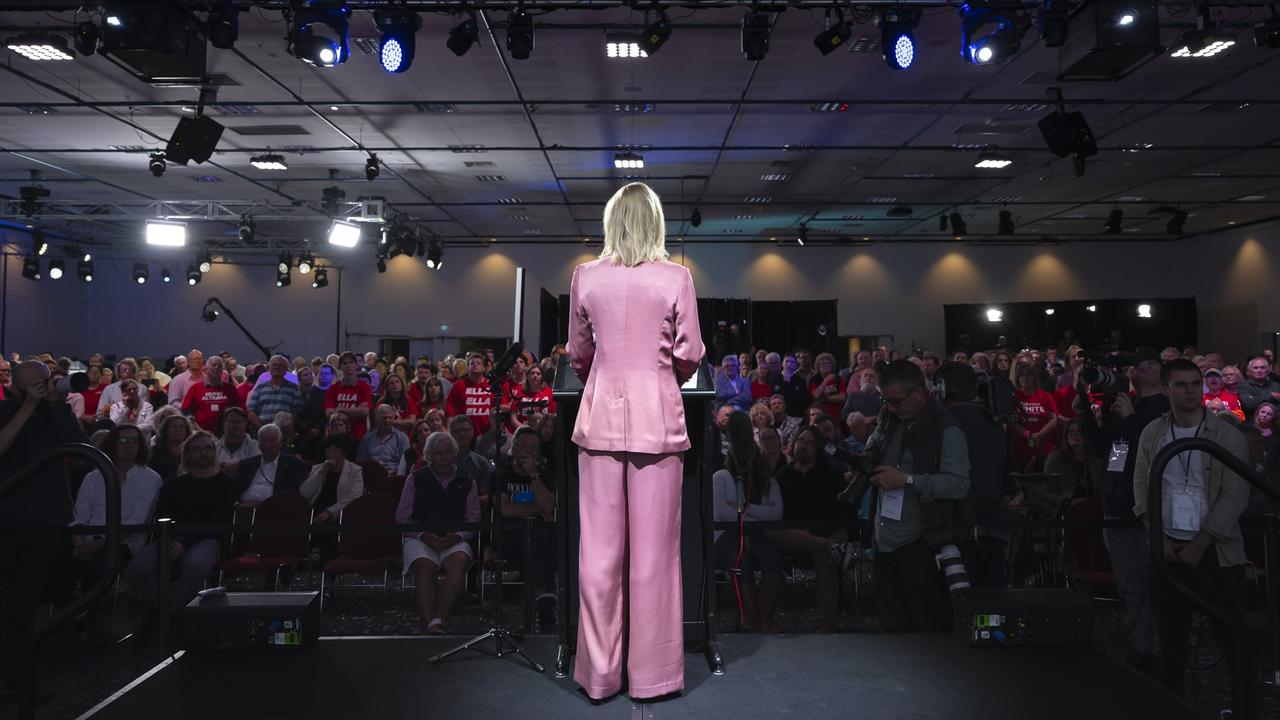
633 339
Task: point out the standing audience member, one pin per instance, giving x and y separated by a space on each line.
826 388
34 418
863 396
1031 439
1259 386
794 388
1216 398
309 421
275 395
1203 545
184 379
470 395
533 396
394 396
439 493
206 400
132 408
351 396
126 369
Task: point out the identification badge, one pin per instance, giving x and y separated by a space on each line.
1186 512
891 504
1119 454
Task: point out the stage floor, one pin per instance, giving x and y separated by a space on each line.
812 676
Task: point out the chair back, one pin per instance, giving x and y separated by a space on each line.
392 487
288 508
372 509
374 473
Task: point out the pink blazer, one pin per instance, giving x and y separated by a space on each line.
633 340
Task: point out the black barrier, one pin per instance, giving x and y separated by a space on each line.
111 484
1241 707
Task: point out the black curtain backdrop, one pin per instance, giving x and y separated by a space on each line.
718 317
784 325
552 327
1114 325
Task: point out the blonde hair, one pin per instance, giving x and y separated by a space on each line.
635 229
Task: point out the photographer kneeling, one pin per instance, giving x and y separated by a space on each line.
924 464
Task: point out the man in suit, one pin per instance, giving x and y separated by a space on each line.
264 475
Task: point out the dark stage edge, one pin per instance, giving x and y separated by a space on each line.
812 676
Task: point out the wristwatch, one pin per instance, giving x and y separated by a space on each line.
911 482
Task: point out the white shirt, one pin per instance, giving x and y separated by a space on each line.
119 414
1184 475
139 493
179 385
724 491
248 448
263 484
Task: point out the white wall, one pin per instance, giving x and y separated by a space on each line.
889 289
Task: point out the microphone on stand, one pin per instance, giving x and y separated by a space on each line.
508 359
742 448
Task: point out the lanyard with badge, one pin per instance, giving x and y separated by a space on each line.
1185 509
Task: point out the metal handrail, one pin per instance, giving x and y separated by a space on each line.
27 709
1155 515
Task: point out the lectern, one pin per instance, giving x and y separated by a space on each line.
696 559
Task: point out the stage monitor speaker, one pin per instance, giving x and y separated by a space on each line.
1029 616
1067 133
263 620
193 139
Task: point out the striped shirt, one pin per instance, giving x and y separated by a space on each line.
267 400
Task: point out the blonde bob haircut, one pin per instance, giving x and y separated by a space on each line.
635 230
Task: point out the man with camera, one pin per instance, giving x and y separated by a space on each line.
1115 440
34 417
924 466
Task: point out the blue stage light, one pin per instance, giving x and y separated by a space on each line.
998 45
899 48
396 50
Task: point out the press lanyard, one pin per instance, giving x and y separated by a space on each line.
1186 465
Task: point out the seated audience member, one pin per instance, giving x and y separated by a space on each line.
166 458
766 379
435 420
763 502
860 429
234 444
771 450
760 418
528 490
394 396
385 444
731 388
202 495
1231 379
826 388
273 471
207 399
1216 398
1260 435
1078 469
863 396
794 388
309 421
274 395
439 493
126 446
93 394
415 457
532 396
350 395
477 466
809 487
339 424
132 408
786 425
126 369
1259 386
331 486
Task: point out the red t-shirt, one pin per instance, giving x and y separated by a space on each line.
91 397
522 404
343 397
1228 398
832 409
1065 397
243 390
473 400
1039 407
207 402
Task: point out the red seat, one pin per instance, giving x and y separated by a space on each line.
374 473
392 487
364 551
271 551
1083 535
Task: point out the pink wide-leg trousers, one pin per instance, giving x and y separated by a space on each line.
629 573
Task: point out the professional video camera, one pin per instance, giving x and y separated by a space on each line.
1105 373
995 394
861 464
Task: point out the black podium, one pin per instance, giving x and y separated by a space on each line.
696 560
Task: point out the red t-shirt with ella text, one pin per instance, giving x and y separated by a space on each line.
473 400
350 396
206 403
1039 407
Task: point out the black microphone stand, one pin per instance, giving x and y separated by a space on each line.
507 639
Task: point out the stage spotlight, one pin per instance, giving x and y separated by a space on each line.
1005 225
165 276
157 164
40 47
87 38
623 46
996 46
1176 223
958 225
993 160
994 315
194 275
344 234
223 26
655 34
305 263
435 254
269 162
371 168
321 279
205 262
897 41
628 161
1049 311
284 263
1204 40
1144 311
283 279
399 29
755 35
247 228
195 138
31 196
56 269
1114 220
84 269
320 50
835 35
140 273
696 218
166 234
39 244
519 34
31 268
463 36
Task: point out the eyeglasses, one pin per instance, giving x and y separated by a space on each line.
127 440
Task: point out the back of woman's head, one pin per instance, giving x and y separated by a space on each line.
634 226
